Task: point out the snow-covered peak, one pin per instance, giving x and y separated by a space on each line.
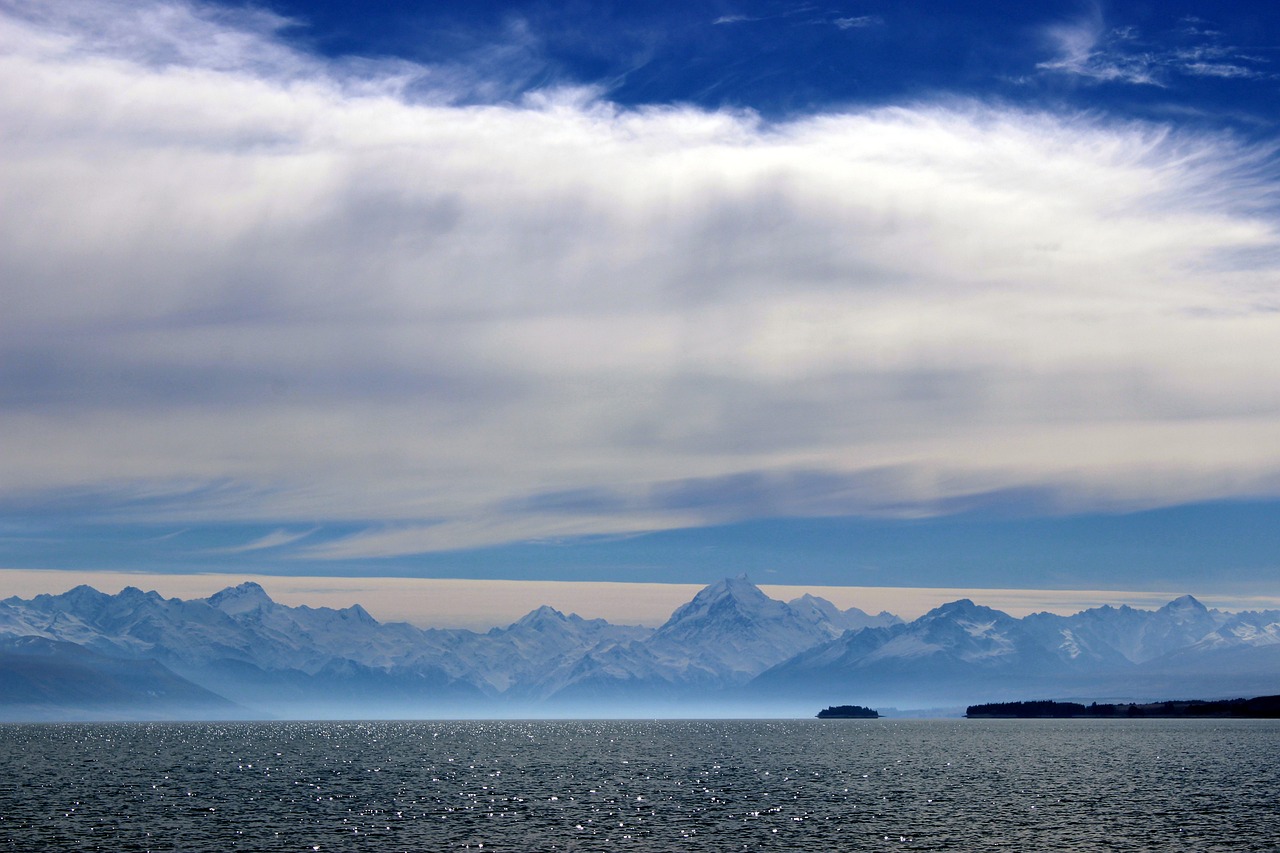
821 612
732 627
134 597
82 596
1185 607
737 588
542 617
1250 628
963 608
355 612
731 594
244 598
813 605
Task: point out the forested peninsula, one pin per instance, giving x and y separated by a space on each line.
1257 707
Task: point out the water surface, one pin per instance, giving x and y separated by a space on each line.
1169 785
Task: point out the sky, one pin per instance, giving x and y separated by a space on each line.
944 295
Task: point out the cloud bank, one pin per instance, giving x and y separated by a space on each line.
242 282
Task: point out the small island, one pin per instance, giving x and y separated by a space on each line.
848 712
1260 707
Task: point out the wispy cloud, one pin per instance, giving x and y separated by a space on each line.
1089 49
274 539
807 14
858 22
1085 48
303 281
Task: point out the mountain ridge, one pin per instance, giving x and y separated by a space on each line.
730 647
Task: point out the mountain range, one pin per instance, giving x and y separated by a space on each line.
731 651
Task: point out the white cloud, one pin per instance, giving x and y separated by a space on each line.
331 300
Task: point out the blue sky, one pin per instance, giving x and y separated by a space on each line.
931 294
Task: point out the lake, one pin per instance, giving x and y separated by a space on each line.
705 785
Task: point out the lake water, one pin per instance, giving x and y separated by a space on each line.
830 785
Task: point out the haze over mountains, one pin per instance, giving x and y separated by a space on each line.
731 651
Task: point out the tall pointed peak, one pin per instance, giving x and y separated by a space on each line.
961 607
356 612
133 593
1184 604
243 598
725 595
739 587
79 596
958 604
83 591
542 615
812 603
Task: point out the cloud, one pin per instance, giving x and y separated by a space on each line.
1087 48
275 539
858 22
328 296
1084 48
1221 69
808 14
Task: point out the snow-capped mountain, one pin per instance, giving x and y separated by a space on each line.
728 633
245 646
955 645
961 650
516 657
730 643
1108 634
732 627
1251 629
820 611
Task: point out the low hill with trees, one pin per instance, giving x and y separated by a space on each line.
848 712
1257 707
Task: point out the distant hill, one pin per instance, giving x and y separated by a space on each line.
52 679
